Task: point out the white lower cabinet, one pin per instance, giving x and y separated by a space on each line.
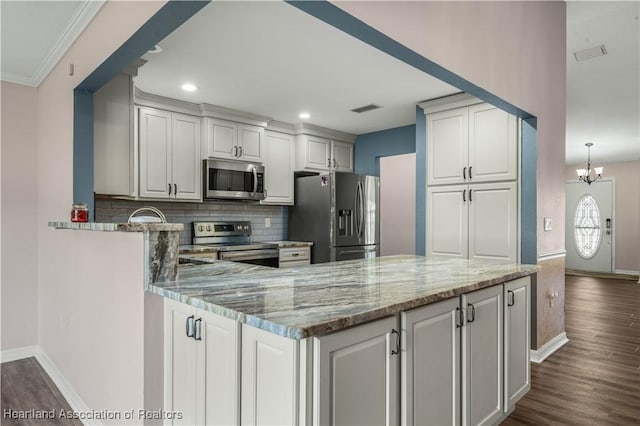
356 375
201 366
269 378
517 373
431 365
482 363
462 361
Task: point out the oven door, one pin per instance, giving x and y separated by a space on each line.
233 180
264 257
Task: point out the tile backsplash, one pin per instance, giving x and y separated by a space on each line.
113 210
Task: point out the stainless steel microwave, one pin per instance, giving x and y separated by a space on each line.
237 180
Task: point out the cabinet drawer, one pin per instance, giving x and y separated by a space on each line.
294 254
294 263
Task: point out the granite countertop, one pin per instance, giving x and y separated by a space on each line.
117 227
318 299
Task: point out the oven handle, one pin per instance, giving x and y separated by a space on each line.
255 181
249 255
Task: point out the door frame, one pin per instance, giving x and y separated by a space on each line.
611 179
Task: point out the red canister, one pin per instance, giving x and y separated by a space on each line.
79 213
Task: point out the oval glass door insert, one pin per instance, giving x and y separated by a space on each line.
587 227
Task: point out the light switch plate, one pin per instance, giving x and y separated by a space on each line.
547 224
267 222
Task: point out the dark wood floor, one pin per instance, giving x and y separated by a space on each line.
595 378
25 387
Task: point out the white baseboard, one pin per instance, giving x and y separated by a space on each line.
548 348
9 355
66 389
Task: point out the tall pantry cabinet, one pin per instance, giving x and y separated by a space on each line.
472 179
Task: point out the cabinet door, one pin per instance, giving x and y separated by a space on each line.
342 156
186 169
447 147
219 354
221 139
493 144
155 152
482 352
431 365
356 379
269 378
317 153
517 374
250 143
493 221
181 365
279 164
447 225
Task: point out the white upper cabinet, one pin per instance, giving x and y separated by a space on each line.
321 154
169 155
342 156
279 163
233 141
447 145
477 143
493 144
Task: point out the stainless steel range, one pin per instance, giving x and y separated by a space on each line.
233 241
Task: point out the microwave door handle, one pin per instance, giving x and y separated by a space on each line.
255 181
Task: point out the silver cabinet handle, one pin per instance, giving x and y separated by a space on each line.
328 162
464 173
335 164
471 317
511 298
396 351
470 167
175 189
169 189
470 196
464 195
189 326
239 151
235 151
198 332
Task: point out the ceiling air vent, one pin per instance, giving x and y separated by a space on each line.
592 52
366 108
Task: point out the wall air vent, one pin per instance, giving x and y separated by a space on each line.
366 108
590 53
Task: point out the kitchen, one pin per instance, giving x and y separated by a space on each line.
91 245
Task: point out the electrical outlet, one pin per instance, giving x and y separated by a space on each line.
547 224
267 222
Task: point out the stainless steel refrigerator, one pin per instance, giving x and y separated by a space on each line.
339 213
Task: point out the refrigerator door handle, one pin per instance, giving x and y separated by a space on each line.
356 204
361 190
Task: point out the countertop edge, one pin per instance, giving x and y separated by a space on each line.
338 324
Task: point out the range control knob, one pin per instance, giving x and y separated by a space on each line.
208 228
200 228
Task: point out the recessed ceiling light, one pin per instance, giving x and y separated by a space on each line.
188 87
304 115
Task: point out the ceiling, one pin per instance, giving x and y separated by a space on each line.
271 59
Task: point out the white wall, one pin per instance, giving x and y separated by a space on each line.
398 204
19 259
517 51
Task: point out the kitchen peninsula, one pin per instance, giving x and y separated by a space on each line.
389 340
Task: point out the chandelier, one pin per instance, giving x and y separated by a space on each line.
584 175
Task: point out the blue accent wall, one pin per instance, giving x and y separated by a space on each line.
528 191
83 147
369 147
421 180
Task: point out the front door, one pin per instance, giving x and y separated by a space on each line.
589 226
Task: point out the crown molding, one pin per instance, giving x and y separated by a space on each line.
313 130
448 102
